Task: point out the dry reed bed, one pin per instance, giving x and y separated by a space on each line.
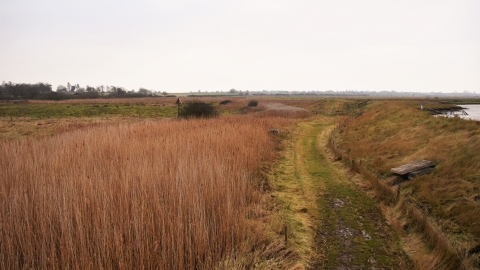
155 194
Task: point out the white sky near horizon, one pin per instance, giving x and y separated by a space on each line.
213 45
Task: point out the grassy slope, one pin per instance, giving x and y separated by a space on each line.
392 133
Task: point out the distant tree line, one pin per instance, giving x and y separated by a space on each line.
24 90
43 91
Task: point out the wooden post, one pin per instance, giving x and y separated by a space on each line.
178 102
286 234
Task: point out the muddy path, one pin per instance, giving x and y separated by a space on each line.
334 224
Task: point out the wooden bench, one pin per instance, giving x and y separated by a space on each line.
410 171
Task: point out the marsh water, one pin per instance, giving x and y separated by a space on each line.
473 111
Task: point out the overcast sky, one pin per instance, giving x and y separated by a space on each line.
214 45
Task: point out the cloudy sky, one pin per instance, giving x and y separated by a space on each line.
214 45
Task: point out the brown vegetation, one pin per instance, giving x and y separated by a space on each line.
160 194
392 133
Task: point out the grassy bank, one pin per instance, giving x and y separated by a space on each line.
393 133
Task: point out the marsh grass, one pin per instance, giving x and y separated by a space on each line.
75 110
151 107
159 194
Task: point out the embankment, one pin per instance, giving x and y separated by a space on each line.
441 207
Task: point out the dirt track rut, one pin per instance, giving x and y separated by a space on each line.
349 229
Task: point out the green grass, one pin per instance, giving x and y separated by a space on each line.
359 213
307 185
86 110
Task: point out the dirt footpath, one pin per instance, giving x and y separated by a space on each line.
280 107
333 223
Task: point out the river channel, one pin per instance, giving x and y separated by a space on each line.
472 110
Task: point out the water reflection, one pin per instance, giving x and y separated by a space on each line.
472 110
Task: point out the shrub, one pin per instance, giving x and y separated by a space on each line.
225 102
253 103
198 109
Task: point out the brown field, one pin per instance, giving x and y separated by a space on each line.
162 194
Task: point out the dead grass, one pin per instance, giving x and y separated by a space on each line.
23 127
392 133
295 200
159 194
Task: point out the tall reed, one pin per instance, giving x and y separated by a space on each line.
154 194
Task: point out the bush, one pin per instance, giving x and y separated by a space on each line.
198 109
253 103
225 102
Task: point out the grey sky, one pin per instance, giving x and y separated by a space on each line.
210 45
